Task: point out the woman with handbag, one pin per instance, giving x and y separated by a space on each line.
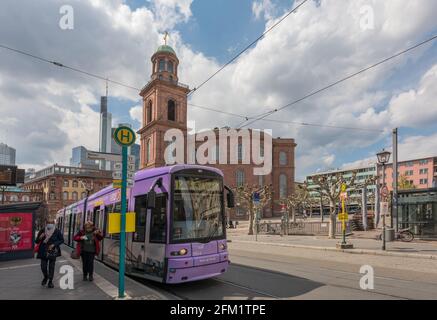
49 240
88 246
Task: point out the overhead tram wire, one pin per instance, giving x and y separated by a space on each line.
246 118
343 79
106 79
322 125
247 47
61 65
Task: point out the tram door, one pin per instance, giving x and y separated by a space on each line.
135 242
98 219
155 239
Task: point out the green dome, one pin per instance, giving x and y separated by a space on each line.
165 48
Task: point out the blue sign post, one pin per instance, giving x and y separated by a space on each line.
125 137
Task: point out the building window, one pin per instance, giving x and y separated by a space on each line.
52 196
83 195
74 195
423 161
65 195
170 66
409 173
25 198
240 178
261 180
240 151
423 171
423 181
148 150
66 183
13 198
282 186
52 182
171 152
261 150
409 163
161 65
149 112
171 110
282 158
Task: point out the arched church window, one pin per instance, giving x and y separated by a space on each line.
282 186
149 112
282 158
171 110
148 150
170 66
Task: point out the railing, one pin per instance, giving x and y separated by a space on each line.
301 228
176 83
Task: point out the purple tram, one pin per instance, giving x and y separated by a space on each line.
180 227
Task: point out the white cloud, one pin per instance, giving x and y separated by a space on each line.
265 7
416 107
136 113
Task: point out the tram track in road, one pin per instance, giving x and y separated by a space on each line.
204 286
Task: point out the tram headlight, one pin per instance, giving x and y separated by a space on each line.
181 252
222 246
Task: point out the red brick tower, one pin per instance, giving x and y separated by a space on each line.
164 107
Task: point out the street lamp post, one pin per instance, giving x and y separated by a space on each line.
383 157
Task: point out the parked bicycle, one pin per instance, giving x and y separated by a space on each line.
404 235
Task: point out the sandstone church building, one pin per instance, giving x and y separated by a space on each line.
165 107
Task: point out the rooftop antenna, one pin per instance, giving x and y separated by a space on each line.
106 87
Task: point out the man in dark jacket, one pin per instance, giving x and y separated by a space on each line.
49 240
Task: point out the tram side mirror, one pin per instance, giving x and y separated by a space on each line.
230 199
151 199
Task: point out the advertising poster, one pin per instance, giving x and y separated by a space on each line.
15 231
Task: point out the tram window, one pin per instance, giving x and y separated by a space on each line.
159 219
140 218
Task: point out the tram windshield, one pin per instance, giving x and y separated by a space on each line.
197 209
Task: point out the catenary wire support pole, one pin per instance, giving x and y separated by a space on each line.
383 213
395 180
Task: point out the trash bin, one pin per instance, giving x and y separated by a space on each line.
389 234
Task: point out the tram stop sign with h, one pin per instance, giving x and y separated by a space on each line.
124 136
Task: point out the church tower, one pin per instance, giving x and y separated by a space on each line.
164 107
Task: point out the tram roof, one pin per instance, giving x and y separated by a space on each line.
146 173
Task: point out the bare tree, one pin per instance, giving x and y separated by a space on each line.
244 195
299 199
330 187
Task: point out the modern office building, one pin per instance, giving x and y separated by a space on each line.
105 133
79 158
7 155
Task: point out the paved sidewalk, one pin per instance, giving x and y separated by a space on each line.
417 249
21 280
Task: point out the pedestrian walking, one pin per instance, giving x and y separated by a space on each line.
48 241
88 246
